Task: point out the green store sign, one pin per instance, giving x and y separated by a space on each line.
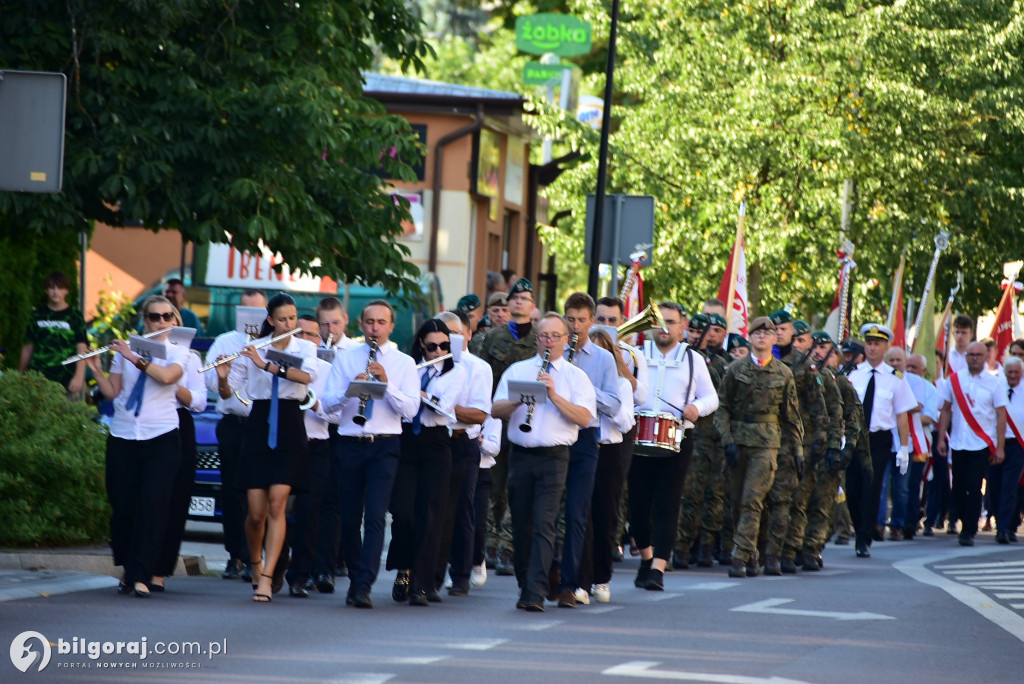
535 73
559 34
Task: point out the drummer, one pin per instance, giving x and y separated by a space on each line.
680 388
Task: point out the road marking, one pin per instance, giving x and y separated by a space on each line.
965 566
362 678
537 626
475 644
967 595
770 606
660 596
645 669
601 610
1018 606
711 586
1010 596
989 571
413 660
988 578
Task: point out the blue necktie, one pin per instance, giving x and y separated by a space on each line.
417 423
272 434
135 398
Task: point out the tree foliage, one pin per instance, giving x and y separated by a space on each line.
243 118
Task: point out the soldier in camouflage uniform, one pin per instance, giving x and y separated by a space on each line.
759 421
775 525
823 500
817 466
501 347
700 515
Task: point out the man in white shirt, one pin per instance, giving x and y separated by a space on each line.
230 429
974 404
922 425
539 456
366 454
333 320
1004 478
887 401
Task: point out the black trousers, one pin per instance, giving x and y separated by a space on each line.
459 524
304 524
140 480
536 480
865 496
230 429
655 494
417 504
181 497
602 532
481 498
968 472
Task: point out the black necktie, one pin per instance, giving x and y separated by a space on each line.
1010 394
869 399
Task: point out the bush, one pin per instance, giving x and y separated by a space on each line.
52 454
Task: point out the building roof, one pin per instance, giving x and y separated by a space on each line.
401 85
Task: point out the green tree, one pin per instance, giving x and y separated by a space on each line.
241 120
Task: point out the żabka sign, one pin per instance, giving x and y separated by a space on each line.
560 34
229 267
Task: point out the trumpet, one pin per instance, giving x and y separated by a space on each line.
102 350
526 427
439 359
572 348
360 417
262 343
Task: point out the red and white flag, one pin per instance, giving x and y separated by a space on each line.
840 330
733 290
633 297
1003 327
896 322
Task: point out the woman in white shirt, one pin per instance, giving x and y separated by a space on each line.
274 446
143 449
424 470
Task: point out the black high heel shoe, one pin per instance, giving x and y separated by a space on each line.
257 597
140 593
122 588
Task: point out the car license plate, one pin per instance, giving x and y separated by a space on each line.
202 505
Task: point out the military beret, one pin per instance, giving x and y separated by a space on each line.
522 285
468 303
875 331
762 323
700 322
485 323
737 340
801 327
497 299
718 320
822 337
853 346
780 316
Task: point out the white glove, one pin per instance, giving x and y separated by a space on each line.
903 459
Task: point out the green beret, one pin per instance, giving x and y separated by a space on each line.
700 322
801 327
780 316
522 285
718 320
485 322
737 340
822 337
468 303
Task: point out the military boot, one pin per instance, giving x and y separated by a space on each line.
705 556
681 559
753 569
641 574
738 569
812 562
788 565
504 565
725 556
771 566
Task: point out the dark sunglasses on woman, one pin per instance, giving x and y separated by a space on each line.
432 346
155 317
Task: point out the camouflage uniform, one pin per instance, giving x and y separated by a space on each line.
817 472
760 414
823 500
815 423
700 515
500 349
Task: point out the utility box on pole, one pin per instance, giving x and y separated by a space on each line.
32 106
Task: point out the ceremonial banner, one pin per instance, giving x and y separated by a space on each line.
1002 328
633 297
924 339
895 322
838 322
733 290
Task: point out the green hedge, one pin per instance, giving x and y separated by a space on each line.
52 488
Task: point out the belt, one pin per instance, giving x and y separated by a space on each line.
364 439
542 450
459 434
314 439
760 418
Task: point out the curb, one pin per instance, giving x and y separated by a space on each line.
99 562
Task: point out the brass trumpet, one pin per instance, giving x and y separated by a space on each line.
526 427
360 417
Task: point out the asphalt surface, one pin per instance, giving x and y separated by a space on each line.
925 610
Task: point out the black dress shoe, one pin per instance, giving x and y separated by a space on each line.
141 593
1002 538
350 597
233 570
246 574
433 596
123 589
862 550
1012 536
966 539
309 584
361 599
459 589
341 570
298 591
878 534
419 598
400 589
655 580
325 584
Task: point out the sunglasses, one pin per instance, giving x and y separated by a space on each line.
433 346
155 317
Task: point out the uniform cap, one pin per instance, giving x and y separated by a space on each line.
780 316
522 285
468 303
853 346
801 327
700 322
875 331
762 323
822 337
497 299
737 340
718 320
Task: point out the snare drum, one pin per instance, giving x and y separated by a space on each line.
658 430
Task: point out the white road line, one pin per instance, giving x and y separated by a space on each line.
660 596
989 578
601 610
644 669
413 660
475 644
966 566
969 596
537 626
362 678
1010 596
997 585
771 606
711 586
1018 606
990 571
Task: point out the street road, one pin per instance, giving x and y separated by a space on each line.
927 610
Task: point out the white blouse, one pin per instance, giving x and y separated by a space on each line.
159 412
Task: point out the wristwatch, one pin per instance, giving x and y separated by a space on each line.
142 363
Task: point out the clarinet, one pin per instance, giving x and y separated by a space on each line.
572 348
360 417
526 427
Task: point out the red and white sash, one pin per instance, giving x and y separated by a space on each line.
965 411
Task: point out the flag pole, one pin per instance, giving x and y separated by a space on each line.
734 261
941 243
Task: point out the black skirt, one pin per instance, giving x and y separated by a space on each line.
261 466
